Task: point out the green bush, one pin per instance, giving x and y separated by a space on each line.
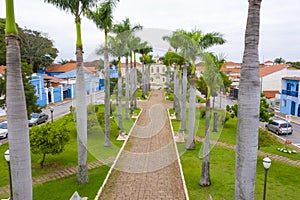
48 139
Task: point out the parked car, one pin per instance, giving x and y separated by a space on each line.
37 118
280 127
3 129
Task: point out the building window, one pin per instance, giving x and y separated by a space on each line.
163 79
151 69
157 69
163 69
283 103
289 86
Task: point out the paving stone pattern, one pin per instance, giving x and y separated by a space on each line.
148 167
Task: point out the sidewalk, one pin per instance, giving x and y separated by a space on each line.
148 167
290 118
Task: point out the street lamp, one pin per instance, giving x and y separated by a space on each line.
51 110
267 164
7 158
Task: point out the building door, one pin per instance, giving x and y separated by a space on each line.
298 110
293 108
49 97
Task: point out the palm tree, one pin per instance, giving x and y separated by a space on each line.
144 49
126 29
77 8
18 138
213 80
248 112
116 46
103 19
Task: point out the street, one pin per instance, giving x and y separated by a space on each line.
62 108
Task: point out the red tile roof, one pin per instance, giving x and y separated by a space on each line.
292 78
62 68
264 71
2 69
229 63
54 79
137 64
270 93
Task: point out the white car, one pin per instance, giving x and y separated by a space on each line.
3 129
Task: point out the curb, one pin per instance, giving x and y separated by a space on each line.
115 161
178 159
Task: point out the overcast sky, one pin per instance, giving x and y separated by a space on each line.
280 24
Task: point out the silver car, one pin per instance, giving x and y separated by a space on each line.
3 129
280 127
37 118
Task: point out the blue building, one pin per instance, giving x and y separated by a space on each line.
56 89
289 100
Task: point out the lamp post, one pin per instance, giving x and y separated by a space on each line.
267 164
51 110
7 158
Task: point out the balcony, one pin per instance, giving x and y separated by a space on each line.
290 93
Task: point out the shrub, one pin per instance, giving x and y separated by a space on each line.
48 139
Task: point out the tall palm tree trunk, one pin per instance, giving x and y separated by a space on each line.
134 81
131 77
127 90
179 96
143 78
175 103
190 144
168 80
120 121
81 119
18 137
205 175
107 142
184 91
81 111
248 112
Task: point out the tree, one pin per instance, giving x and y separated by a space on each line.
103 18
279 60
77 8
48 139
2 42
127 29
31 98
248 121
213 81
18 138
37 49
264 111
116 47
144 50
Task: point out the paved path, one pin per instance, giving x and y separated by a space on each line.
148 167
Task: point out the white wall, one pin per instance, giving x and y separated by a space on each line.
273 81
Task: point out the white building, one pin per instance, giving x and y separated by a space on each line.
158 74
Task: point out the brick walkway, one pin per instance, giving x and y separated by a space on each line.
148 167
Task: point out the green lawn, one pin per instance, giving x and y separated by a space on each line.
227 134
68 158
283 180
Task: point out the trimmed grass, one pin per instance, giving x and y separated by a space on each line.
227 134
68 157
65 187
283 180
